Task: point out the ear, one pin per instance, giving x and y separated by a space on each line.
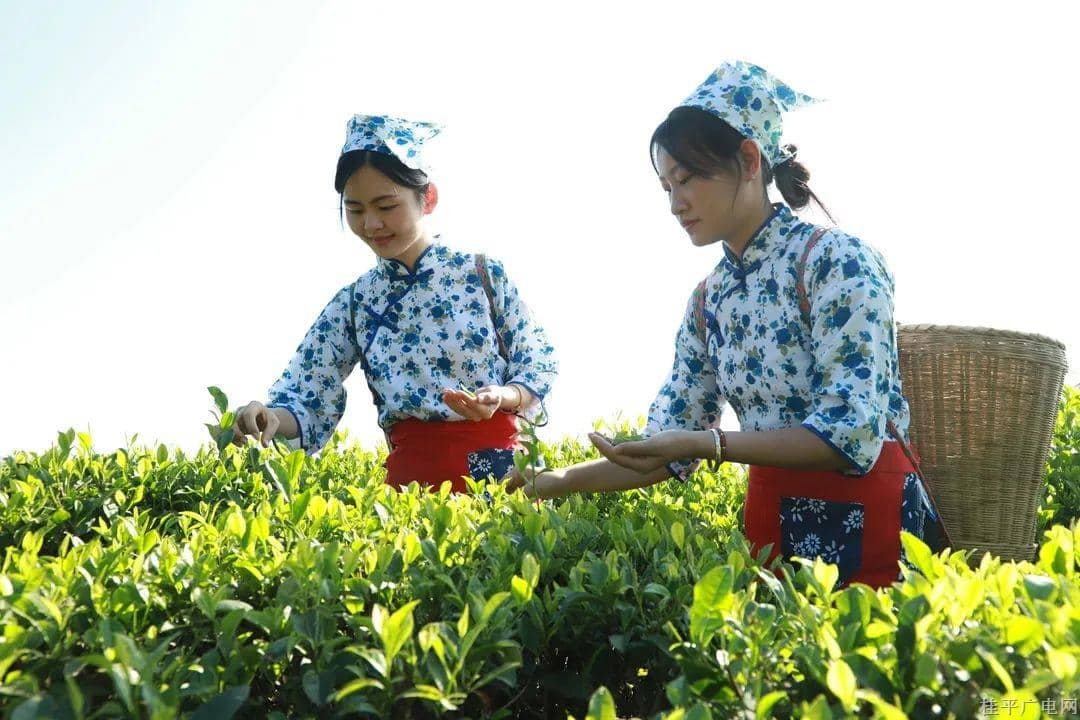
431 198
750 158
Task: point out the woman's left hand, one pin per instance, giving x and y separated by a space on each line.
652 453
483 404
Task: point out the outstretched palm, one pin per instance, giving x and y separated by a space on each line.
646 455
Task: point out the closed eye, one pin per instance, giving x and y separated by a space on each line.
354 209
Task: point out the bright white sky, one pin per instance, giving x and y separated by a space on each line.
168 222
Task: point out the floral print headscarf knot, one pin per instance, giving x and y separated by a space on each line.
752 101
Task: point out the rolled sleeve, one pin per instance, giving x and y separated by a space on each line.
312 385
853 342
689 399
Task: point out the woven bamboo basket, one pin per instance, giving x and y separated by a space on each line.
983 407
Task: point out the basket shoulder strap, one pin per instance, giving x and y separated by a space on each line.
800 273
701 328
895 432
489 291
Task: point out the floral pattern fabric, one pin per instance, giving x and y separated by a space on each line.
833 531
811 527
402 138
834 373
493 462
752 101
837 377
414 332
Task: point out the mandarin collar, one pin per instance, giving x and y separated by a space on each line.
394 269
774 231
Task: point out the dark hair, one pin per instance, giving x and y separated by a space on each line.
706 145
388 165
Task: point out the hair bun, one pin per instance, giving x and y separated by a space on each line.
792 180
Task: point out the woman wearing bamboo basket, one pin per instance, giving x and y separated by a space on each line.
794 328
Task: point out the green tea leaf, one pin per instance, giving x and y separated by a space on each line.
230 605
463 622
235 524
225 439
925 670
224 705
491 606
40 707
521 590
220 399
818 710
886 710
318 686
998 669
299 506
678 534
601 705
1062 663
827 574
1040 587
530 570
841 681
712 595
766 703
1024 632
354 686
397 630
918 553
295 464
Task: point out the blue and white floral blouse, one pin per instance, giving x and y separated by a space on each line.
838 378
414 333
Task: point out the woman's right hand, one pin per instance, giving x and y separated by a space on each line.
538 482
256 420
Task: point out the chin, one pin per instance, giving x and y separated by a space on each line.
699 239
388 252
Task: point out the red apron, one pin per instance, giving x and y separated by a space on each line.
431 452
880 494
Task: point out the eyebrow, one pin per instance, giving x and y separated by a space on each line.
674 168
350 201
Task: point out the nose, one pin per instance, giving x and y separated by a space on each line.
678 204
372 222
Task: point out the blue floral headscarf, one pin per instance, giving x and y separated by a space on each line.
752 101
401 138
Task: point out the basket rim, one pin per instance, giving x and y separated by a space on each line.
983 331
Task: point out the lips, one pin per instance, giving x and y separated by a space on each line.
688 225
382 240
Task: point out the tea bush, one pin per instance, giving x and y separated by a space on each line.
249 582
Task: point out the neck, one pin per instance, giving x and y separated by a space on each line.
747 226
413 252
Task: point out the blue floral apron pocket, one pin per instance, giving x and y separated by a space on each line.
833 531
491 462
913 511
917 516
